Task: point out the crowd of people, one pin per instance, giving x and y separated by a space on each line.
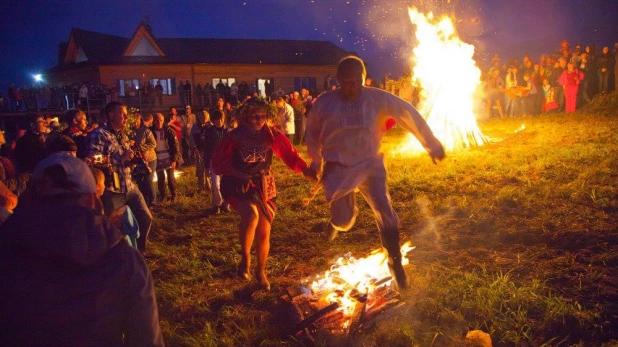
42 96
98 178
559 82
76 203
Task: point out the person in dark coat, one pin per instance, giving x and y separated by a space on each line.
31 148
69 278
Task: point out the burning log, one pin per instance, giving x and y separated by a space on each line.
357 317
343 299
313 318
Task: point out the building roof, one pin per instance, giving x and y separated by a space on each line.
100 48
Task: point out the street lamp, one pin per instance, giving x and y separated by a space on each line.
38 77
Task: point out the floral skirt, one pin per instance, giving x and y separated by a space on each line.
259 191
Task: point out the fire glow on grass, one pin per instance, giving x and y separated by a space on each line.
177 174
445 70
350 277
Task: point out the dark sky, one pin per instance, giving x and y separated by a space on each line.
378 30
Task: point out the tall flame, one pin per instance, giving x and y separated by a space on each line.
445 70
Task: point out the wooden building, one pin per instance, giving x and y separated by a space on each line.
98 58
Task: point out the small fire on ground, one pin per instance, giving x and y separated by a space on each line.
348 296
449 78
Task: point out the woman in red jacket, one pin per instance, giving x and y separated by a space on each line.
243 159
570 79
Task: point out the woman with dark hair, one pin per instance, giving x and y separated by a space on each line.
243 159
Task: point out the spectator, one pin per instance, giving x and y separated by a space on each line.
145 144
83 95
286 118
187 121
62 143
16 183
570 79
159 93
77 130
511 92
528 100
583 85
69 278
495 91
603 66
187 90
31 148
175 122
168 156
199 95
299 117
111 143
8 202
122 218
555 81
197 147
212 137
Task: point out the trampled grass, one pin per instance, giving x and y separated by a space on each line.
518 238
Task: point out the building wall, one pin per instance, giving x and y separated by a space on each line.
110 74
282 75
79 75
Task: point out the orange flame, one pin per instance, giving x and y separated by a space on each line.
445 70
350 275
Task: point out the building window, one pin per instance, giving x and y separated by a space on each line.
308 83
168 84
128 88
227 82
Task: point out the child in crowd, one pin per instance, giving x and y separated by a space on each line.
212 137
549 102
123 217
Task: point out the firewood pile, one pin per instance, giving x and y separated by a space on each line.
332 305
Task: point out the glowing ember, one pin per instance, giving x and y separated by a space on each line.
350 278
445 70
521 128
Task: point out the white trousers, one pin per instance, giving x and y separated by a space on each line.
374 189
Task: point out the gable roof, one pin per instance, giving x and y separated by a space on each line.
143 44
109 49
98 47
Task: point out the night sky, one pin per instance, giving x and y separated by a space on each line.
378 30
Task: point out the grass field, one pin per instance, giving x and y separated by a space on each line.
518 238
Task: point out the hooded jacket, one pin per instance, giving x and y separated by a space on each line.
70 279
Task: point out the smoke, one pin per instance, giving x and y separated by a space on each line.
432 224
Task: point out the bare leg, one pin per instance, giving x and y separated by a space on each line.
249 218
262 234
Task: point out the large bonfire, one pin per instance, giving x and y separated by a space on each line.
448 77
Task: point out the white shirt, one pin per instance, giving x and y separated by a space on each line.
350 133
286 118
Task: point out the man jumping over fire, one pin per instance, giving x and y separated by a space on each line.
344 131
